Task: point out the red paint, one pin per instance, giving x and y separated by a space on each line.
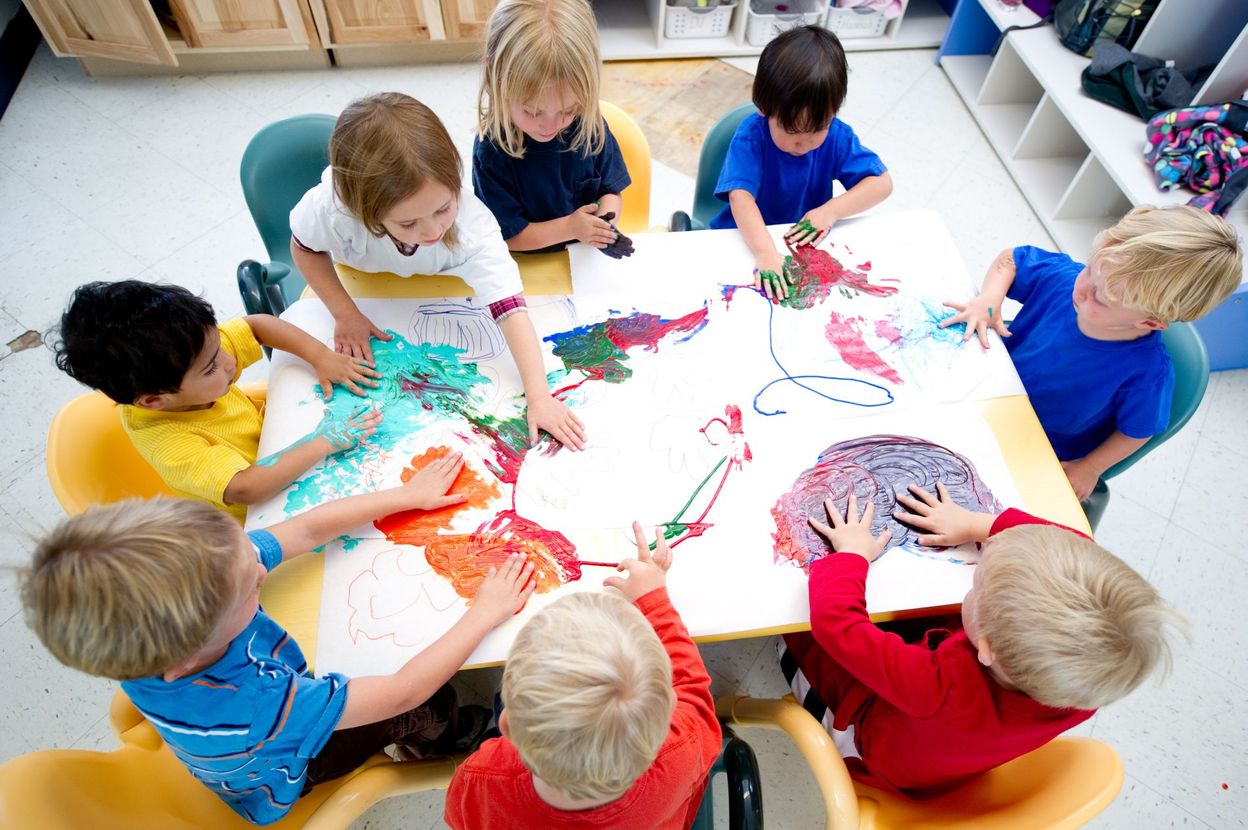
846 335
740 452
417 527
887 330
648 329
813 272
465 559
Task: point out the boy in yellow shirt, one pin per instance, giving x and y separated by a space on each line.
157 350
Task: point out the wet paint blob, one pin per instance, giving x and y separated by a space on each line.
600 350
813 272
465 559
418 527
845 335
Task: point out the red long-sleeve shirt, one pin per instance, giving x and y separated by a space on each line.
494 789
925 715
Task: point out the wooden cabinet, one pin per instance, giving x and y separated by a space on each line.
380 21
466 18
213 23
124 30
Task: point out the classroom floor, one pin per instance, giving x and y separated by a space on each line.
114 179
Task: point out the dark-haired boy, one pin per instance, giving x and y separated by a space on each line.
782 161
157 351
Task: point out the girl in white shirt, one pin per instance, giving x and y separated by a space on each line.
393 200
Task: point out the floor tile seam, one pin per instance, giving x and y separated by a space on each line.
193 240
1239 459
49 197
112 119
892 105
1164 797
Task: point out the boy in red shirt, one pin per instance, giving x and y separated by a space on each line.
608 718
1054 627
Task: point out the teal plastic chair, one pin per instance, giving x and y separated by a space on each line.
711 160
1191 379
736 762
281 163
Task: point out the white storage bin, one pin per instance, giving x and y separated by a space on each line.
683 21
766 19
855 22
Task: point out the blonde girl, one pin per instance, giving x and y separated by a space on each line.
392 201
544 161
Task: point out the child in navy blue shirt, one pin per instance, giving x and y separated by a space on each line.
544 161
1087 342
782 162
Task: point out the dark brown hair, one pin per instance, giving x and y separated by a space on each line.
801 80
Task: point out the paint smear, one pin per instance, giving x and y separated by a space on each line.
600 350
845 333
418 527
465 559
813 272
875 468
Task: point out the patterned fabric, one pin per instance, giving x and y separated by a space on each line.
507 307
1204 148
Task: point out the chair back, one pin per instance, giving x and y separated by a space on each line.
635 200
1191 379
714 150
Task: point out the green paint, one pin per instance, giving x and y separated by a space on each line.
804 226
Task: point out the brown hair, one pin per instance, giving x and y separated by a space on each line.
383 149
802 78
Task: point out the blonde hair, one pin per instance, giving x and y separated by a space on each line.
129 590
384 148
1069 623
1173 263
529 46
588 695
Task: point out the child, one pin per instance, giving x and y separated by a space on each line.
163 595
1086 343
782 162
608 718
391 201
544 160
1054 627
157 351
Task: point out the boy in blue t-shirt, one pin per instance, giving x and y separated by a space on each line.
163 595
782 161
1087 341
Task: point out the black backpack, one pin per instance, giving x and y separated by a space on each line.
1081 24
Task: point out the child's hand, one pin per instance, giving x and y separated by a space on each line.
334 367
769 275
622 246
812 228
851 534
590 229
504 591
553 415
351 336
979 314
947 523
346 433
645 573
427 490
1082 476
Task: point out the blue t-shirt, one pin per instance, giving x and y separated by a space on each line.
551 181
248 725
1082 389
786 186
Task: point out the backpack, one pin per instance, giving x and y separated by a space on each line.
1082 23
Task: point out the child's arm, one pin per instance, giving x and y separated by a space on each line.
269 476
330 367
984 310
375 698
1083 473
610 203
866 194
768 263
352 329
582 224
545 412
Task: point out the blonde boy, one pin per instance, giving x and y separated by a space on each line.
163 595
1053 628
1086 343
608 718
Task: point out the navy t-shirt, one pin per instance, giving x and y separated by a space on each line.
551 181
786 186
1082 389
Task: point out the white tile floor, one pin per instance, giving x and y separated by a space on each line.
111 179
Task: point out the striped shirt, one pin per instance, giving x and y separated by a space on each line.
248 725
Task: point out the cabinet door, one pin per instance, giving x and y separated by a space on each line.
123 30
466 18
383 21
214 23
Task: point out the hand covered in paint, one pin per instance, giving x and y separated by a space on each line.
812 228
979 314
505 590
548 413
851 534
591 229
344 433
428 488
351 372
1082 475
646 573
352 335
946 522
622 246
770 276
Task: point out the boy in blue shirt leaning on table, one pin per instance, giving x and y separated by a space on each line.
164 595
1087 343
783 160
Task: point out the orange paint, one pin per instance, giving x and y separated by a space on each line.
465 559
419 527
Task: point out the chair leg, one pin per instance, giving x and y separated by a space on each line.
250 276
680 221
745 786
1096 502
275 295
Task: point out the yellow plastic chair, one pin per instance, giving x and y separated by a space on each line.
143 785
635 200
1061 785
90 458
